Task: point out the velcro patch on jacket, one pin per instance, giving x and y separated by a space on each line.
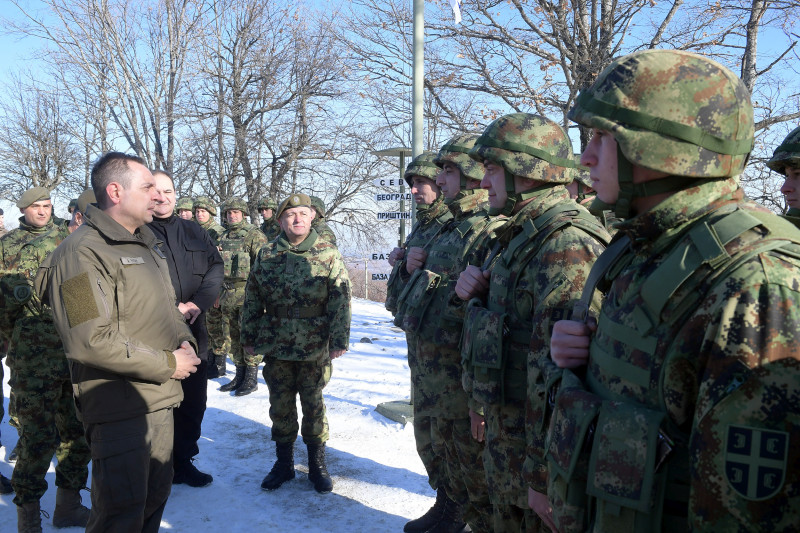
134 260
76 293
755 461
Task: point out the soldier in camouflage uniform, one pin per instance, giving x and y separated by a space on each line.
540 262
425 308
319 224
297 312
678 410
269 226
45 409
432 215
786 160
239 246
184 207
205 212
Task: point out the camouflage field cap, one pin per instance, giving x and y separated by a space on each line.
204 202
185 203
318 205
267 203
296 200
456 151
236 203
672 111
529 146
787 154
35 194
87 197
422 165
72 205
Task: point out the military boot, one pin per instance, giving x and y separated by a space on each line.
219 362
237 380
29 518
213 369
283 469
317 471
250 383
5 485
431 518
69 511
452 519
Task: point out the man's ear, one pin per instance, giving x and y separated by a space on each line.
114 192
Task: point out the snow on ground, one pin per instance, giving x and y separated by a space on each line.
379 481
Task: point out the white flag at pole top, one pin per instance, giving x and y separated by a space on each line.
456 5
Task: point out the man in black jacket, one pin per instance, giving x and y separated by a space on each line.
196 271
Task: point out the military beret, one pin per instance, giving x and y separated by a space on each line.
33 195
296 200
87 197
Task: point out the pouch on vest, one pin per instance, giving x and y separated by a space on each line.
622 468
415 299
391 287
574 413
482 349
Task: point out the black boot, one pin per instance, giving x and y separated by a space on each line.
317 471
213 369
452 519
431 518
236 382
187 473
5 485
250 383
219 361
283 469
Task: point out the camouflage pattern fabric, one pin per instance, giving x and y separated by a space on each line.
214 230
288 379
270 228
42 400
307 290
455 152
722 372
219 331
239 246
323 230
787 154
184 204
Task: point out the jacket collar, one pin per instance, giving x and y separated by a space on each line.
114 231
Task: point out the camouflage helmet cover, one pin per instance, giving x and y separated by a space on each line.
236 203
787 154
672 111
204 202
422 165
529 146
295 200
455 151
267 203
185 203
581 175
318 205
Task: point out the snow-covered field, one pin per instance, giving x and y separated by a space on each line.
379 481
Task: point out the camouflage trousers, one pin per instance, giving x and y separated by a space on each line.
422 425
219 334
48 424
231 302
503 459
463 463
285 381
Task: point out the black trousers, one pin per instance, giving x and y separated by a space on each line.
189 415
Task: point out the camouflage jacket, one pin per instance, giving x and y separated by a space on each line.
214 230
693 384
793 216
323 230
297 301
430 219
239 246
271 229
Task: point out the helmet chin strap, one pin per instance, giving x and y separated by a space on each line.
513 197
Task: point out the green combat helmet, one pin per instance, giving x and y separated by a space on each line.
185 203
318 205
236 203
422 165
204 202
787 154
673 112
528 146
455 151
267 203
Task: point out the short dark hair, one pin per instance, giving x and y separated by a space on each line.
165 173
111 167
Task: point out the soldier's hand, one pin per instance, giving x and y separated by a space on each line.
477 424
415 258
396 255
186 361
541 506
473 283
569 343
190 311
336 353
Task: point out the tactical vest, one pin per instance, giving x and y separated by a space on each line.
235 255
496 339
623 457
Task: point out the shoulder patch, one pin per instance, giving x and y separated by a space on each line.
755 461
78 299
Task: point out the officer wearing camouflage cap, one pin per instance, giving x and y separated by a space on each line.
786 160
323 230
462 496
44 408
296 311
184 207
239 246
547 240
269 225
677 409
